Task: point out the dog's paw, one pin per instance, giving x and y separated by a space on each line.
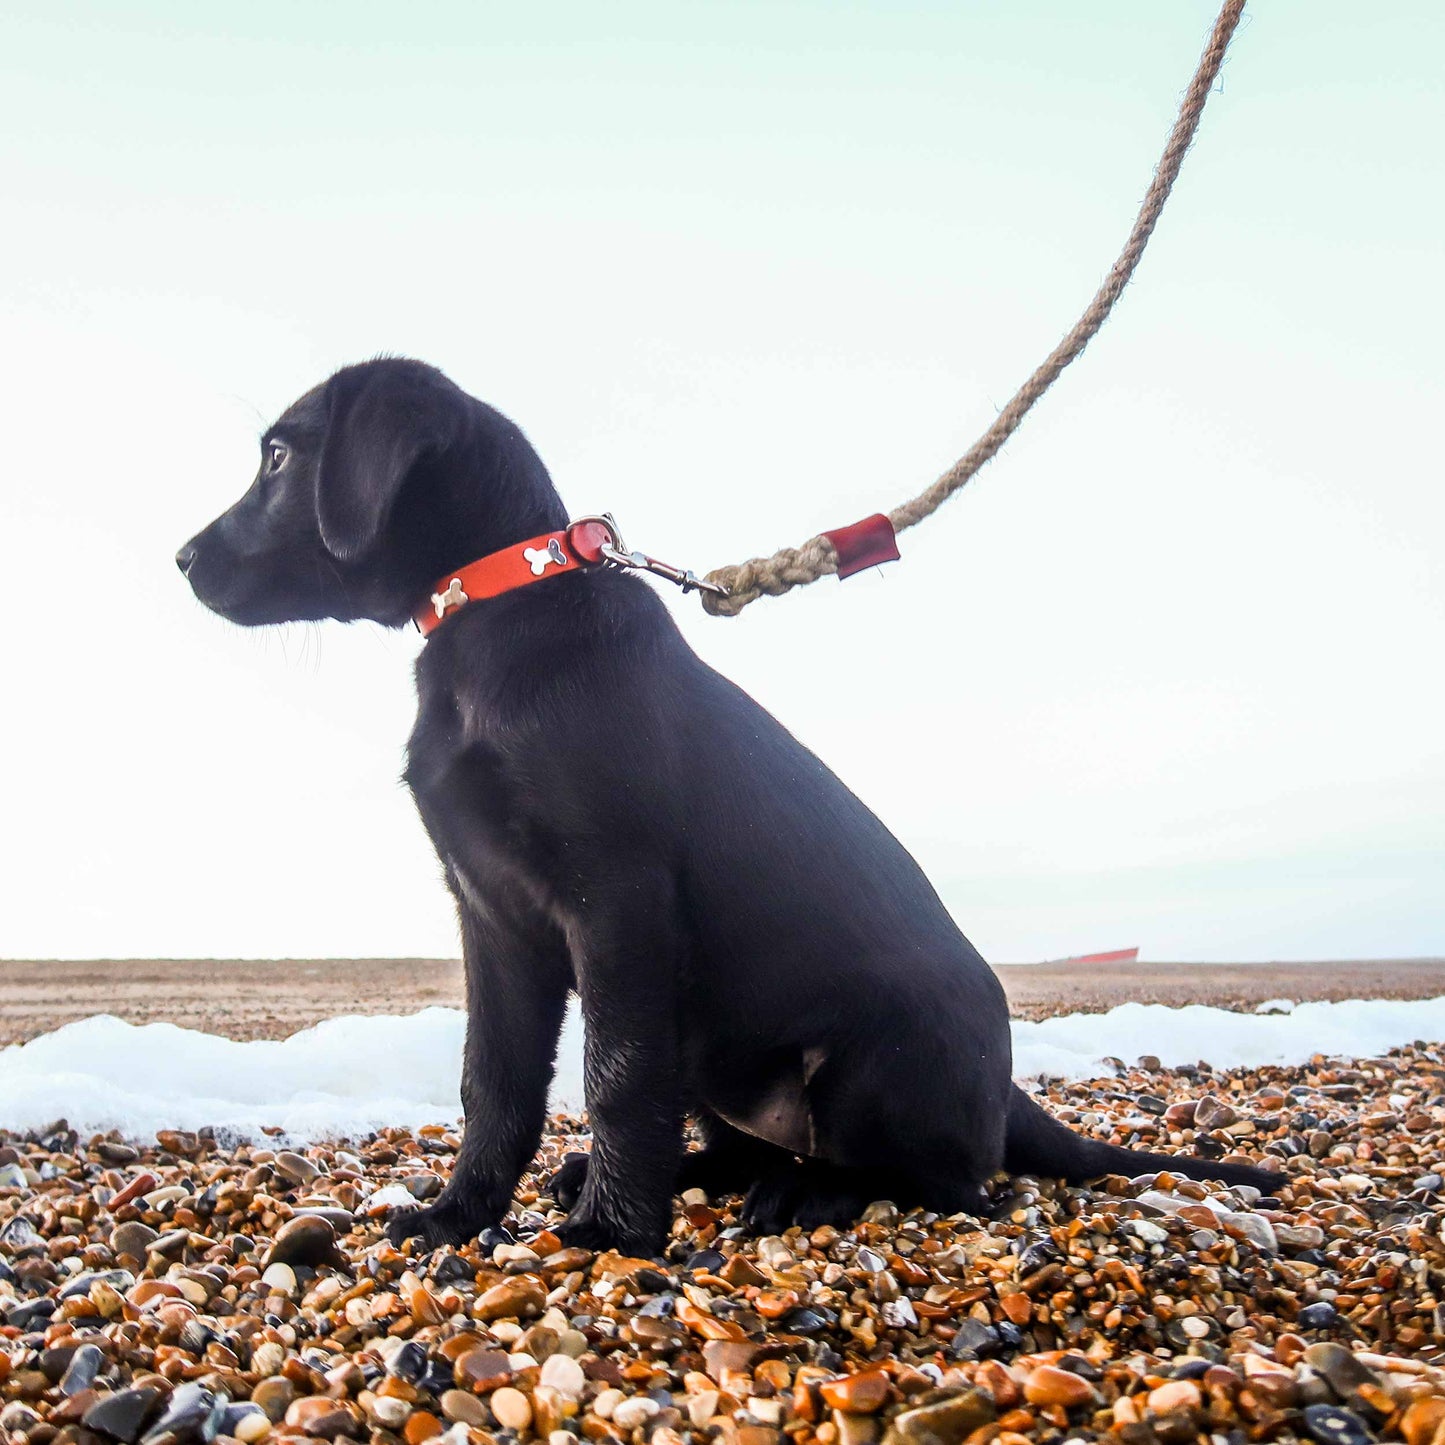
770 1202
565 1186
807 1193
441 1223
583 1231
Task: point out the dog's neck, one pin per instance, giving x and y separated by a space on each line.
465 522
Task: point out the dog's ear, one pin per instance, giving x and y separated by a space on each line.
382 420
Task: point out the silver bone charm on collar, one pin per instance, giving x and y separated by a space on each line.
452 597
540 557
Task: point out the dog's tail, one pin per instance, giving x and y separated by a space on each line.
1039 1144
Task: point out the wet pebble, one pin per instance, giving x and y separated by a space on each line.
1334 1425
305 1239
121 1415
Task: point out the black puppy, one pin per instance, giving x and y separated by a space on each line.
751 946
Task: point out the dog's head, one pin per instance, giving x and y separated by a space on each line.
370 486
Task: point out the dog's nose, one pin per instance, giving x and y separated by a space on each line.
185 557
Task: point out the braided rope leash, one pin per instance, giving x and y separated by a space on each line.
849 549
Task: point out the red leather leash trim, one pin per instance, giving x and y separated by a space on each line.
864 544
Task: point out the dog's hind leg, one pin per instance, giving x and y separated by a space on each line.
921 1125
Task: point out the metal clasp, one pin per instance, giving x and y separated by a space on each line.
616 554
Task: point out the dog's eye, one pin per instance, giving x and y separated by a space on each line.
276 454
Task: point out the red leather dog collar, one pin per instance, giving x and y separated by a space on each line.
535 560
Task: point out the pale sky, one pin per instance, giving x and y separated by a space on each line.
1167 674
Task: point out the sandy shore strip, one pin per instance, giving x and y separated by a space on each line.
273 998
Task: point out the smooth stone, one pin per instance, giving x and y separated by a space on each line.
386 1410
169 1244
1255 1228
573 1342
80 1373
1318 1316
117 1279
946 1422
607 1401
1213 1113
20 1234
863 1393
274 1396
463 1408
122 1414
267 1358
482 1369
511 1299
341 1220
236 1416
656 1332
974 1340
723 1356
252 1428
1340 1367
133 1238
1147 1230
1334 1425
303 1239
321 1418
563 1374
280 1279
296 1167
452 1269
27 1316
637 1410
512 1409
408 1363
57 1358
193 1413
424 1185
1175 1395
1049 1385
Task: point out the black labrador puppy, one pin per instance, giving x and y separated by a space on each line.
751 946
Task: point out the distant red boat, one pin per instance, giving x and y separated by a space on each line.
1119 955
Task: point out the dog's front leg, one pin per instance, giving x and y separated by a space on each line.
518 975
627 976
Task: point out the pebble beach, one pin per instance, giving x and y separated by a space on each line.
172 1291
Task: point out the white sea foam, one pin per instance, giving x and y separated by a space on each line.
1275 1006
350 1075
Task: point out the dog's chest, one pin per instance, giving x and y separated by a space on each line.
487 818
